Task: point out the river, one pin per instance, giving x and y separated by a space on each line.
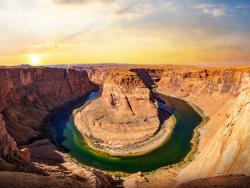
175 150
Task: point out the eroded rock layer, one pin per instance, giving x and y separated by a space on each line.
223 96
10 157
28 95
125 115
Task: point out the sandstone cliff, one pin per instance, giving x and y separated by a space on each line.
125 117
11 158
27 180
8 148
221 93
229 181
223 96
28 95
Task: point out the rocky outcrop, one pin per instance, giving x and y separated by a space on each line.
223 95
26 153
125 117
7 143
150 76
229 181
7 146
28 95
127 94
26 98
26 180
10 157
98 75
196 81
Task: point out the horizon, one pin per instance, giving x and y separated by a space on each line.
56 32
142 65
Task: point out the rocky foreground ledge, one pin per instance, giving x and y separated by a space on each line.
125 119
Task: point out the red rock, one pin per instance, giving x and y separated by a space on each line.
26 153
28 95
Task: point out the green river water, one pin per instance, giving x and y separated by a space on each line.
174 151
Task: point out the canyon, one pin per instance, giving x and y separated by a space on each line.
124 120
29 95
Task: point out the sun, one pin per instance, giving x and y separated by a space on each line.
35 60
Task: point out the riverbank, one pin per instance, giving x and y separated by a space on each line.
160 137
196 135
138 149
168 154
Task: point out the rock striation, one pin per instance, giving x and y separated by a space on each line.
223 95
124 120
10 157
28 95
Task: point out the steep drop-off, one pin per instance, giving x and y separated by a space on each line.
223 94
10 157
125 119
27 96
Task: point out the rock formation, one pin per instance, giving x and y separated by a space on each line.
33 93
26 153
7 147
223 96
126 114
27 180
229 181
28 95
11 158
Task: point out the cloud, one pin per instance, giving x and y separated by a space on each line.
141 9
213 10
243 6
81 1
135 12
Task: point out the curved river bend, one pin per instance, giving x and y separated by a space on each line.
174 151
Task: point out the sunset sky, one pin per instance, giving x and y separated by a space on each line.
125 31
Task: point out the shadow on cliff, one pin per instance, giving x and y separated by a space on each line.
145 77
164 111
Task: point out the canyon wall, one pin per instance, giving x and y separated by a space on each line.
10 156
223 94
125 115
27 96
